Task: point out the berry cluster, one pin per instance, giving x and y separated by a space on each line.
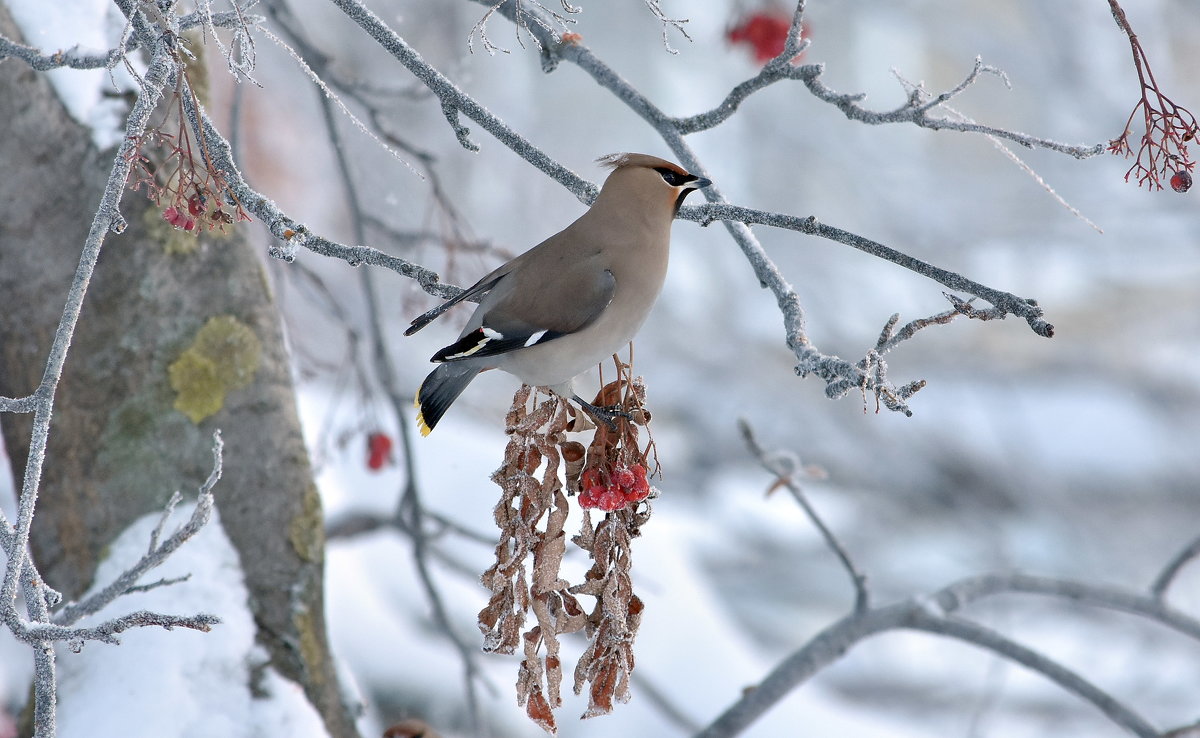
625 484
1168 128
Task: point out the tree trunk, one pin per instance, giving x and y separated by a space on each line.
179 336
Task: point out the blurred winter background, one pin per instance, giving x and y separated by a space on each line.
1072 457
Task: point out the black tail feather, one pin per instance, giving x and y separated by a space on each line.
440 389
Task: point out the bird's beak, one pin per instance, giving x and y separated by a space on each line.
699 183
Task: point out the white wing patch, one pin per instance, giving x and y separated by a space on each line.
535 338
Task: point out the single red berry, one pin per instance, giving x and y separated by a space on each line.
379 450
624 477
764 32
639 491
196 205
171 215
1181 181
587 498
611 499
590 478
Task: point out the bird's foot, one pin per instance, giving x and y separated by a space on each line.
605 413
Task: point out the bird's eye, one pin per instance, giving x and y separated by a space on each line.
671 177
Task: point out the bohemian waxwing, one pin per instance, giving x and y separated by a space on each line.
573 300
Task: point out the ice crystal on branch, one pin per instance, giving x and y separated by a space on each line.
532 515
1168 128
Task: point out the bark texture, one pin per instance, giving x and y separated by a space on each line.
179 336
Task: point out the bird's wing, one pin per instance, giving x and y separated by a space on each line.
480 287
518 316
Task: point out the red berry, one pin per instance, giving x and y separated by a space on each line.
1181 181
587 498
590 478
624 477
196 205
638 493
379 450
764 32
610 500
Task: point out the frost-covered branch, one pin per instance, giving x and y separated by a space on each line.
77 58
37 627
917 109
107 631
1007 303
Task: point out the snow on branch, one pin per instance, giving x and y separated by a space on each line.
77 58
1005 302
548 19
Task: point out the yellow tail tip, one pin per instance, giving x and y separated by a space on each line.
421 425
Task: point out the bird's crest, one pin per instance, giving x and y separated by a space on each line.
620 160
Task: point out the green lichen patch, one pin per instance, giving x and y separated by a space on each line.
307 529
223 357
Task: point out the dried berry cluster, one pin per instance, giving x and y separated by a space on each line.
532 515
1168 128
176 170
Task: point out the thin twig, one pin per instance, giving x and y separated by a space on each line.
776 465
1163 581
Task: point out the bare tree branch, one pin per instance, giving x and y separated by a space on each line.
936 614
76 58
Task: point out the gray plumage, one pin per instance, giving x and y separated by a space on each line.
573 300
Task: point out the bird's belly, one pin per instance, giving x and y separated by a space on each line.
563 359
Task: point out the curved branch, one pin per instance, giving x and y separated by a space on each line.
1163 581
967 591
935 614
1071 681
